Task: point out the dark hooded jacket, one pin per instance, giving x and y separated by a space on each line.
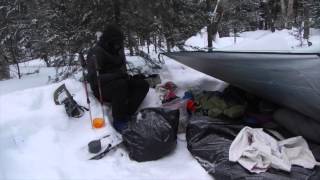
108 57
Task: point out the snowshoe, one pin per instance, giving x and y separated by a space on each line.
73 109
63 96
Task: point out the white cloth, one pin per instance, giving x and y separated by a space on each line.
257 151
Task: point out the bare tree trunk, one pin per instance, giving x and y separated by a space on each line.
216 27
148 44
4 68
283 14
155 43
209 26
235 35
306 27
46 60
116 11
173 43
290 14
130 43
210 39
141 41
135 47
160 41
218 13
224 31
273 16
267 16
168 45
14 58
18 67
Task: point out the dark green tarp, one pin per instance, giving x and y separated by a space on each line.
288 79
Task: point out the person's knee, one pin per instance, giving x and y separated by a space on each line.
120 85
144 86
116 91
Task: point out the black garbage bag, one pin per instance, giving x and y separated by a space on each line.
209 141
151 134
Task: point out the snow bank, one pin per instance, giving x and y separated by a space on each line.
27 81
199 40
39 141
187 78
260 40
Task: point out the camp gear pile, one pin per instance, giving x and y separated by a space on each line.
219 125
236 108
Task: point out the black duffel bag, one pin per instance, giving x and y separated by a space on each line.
151 134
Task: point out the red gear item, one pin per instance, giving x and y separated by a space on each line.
191 106
169 96
170 86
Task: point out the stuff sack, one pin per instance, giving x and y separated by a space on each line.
215 104
151 134
209 142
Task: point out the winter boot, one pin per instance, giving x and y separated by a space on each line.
120 125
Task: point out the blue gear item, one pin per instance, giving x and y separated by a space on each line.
120 125
188 95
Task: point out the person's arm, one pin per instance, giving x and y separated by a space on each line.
112 60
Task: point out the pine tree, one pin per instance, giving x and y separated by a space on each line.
61 28
315 14
14 31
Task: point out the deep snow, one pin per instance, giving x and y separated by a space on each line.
29 81
260 40
39 141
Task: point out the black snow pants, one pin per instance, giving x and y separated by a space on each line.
125 96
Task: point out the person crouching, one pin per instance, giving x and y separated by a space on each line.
124 92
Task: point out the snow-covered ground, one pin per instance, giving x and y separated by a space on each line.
39 141
27 81
260 40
